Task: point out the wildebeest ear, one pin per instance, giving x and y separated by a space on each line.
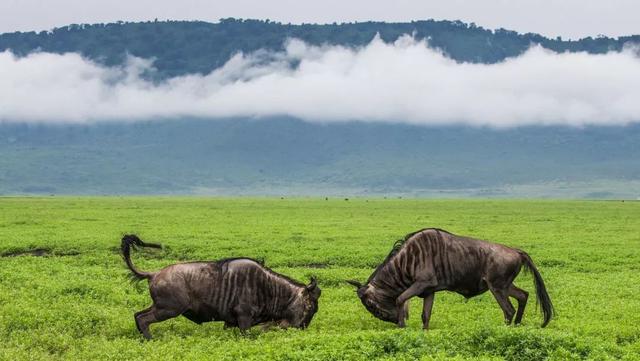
354 283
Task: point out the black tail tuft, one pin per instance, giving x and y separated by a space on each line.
132 241
542 297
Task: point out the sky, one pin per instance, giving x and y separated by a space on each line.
570 19
405 81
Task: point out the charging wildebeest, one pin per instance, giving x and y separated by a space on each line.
239 291
432 260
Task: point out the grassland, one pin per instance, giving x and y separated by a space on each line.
73 300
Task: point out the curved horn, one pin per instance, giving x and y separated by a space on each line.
313 284
354 283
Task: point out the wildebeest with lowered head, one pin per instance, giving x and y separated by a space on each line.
239 291
432 260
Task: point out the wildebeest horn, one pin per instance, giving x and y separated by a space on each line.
354 283
313 284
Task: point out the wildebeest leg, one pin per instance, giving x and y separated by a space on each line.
406 309
193 317
502 296
135 317
414 290
522 296
427 305
153 314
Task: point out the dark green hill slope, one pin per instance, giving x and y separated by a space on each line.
286 156
180 47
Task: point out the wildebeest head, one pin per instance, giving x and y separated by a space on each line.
376 301
306 305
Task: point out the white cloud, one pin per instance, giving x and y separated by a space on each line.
401 82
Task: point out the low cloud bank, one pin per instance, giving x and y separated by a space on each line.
405 81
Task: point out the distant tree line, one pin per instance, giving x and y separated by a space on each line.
184 47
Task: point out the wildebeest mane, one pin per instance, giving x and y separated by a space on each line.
223 261
397 246
260 261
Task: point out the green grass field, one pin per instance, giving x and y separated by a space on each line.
74 300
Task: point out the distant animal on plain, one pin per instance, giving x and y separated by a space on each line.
242 292
432 260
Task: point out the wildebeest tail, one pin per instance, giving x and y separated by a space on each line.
132 241
542 297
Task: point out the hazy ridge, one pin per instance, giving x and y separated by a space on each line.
289 157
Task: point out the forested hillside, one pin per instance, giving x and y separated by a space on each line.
181 47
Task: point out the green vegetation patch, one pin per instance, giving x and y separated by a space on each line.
64 292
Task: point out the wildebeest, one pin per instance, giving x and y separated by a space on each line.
432 260
242 292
